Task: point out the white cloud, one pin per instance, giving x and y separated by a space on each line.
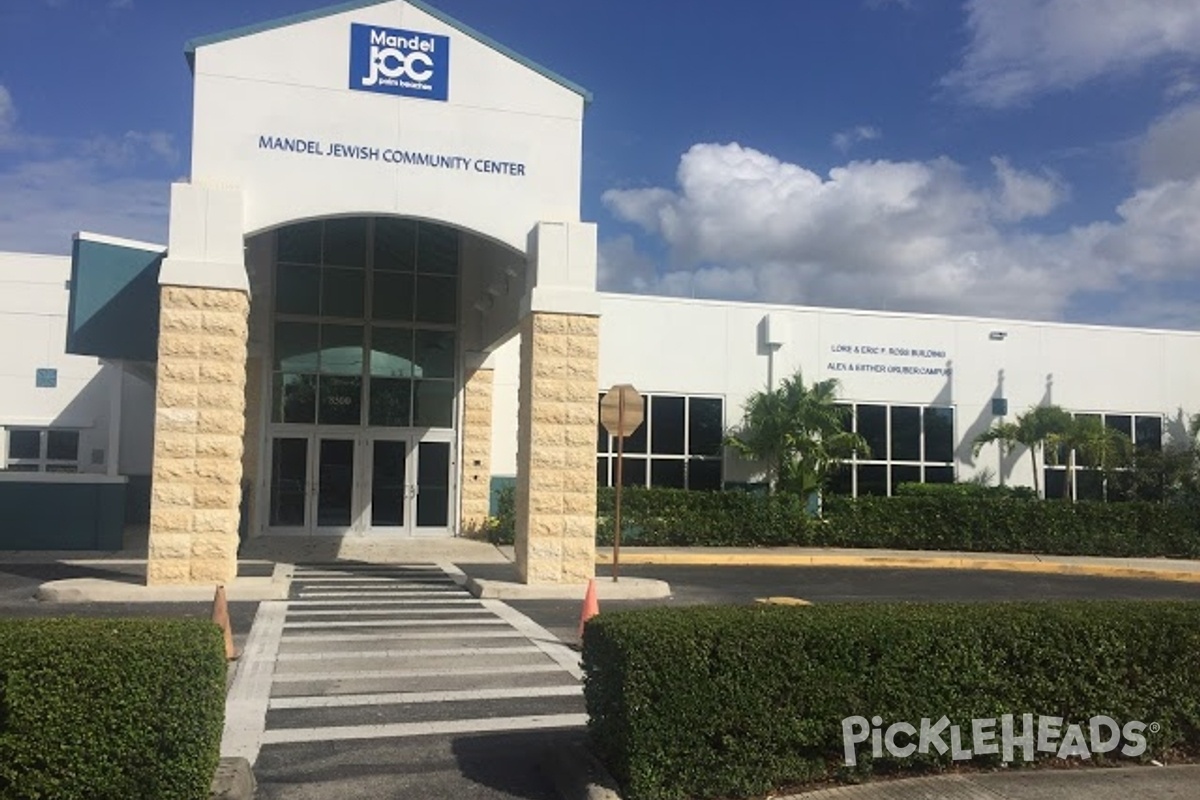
8 119
51 188
42 203
1019 49
1171 148
1022 195
844 140
914 236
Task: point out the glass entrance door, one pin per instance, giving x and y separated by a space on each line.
314 484
409 486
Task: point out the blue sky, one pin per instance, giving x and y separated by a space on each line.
1024 158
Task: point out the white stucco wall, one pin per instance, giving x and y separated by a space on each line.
294 82
33 335
684 346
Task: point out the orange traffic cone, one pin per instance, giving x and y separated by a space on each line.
220 615
591 606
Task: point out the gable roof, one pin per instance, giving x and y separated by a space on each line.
353 5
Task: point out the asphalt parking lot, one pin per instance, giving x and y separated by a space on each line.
739 585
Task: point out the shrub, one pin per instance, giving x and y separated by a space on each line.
502 528
675 517
105 708
708 702
970 490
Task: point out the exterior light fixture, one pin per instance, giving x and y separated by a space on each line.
998 336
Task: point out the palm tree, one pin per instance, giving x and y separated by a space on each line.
1097 445
1032 429
799 432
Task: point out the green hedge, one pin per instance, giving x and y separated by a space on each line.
709 702
925 520
105 708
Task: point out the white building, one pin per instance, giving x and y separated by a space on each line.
378 302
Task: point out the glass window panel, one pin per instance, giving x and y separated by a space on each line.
939 474
841 480
296 346
1120 422
633 472
636 441
335 476
872 479
289 481
346 243
297 290
433 404
704 474
1148 433
395 244
906 433
437 299
437 250
24 444
388 486
391 402
294 398
62 468
433 484
667 473
872 426
299 244
392 352
392 297
341 350
1055 482
602 439
342 293
1089 484
904 473
21 467
666 426
939 434
340 400
62 445
435 354
602 478
706 427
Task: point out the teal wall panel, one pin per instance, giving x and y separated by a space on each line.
113 309
61 516
499 483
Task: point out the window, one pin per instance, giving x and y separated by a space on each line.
1145 431
42 450
679 445
906 444
365 313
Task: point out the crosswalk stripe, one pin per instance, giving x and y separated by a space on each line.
416 601
406 729
363 612
403 636
388 623
427 653
400 698
383 674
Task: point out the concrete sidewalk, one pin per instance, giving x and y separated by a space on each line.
1136 568
1088 783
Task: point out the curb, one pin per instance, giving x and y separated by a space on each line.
992 563
234 780
624 589
577 774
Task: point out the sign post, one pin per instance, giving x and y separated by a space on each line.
621 413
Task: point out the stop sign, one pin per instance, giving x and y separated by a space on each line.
621 410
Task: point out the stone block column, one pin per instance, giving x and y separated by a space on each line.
200 395
477 451
198 427
556 447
